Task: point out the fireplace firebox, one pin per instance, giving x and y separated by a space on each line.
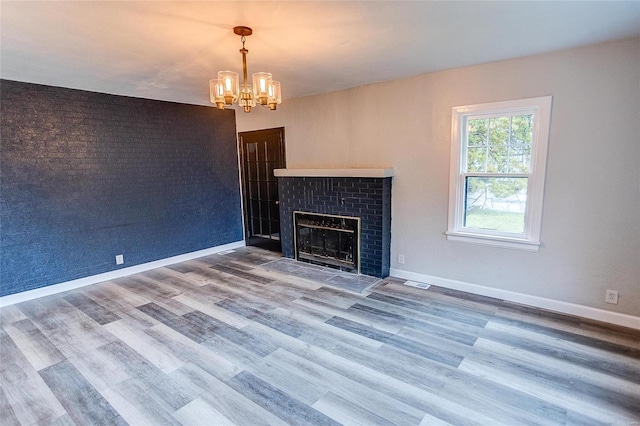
327 240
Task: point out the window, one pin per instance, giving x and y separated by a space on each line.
498 160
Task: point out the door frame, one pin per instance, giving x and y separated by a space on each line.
279 131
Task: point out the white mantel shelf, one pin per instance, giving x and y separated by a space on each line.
353 172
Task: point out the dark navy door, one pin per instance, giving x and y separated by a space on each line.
262 151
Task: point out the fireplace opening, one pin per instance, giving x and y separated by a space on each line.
327 240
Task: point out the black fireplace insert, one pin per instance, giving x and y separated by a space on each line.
327 240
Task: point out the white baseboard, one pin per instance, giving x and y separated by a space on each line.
525 299
12 299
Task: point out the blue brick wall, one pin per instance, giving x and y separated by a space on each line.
86 176
367 198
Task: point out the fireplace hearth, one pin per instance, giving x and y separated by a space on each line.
327 240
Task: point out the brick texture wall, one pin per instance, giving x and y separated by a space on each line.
86 176
367 198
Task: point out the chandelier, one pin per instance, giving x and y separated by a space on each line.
225 90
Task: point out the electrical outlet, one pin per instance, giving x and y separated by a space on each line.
401 259
119 259
611 296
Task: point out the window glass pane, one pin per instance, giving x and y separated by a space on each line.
263 194
477 131
262 171
255 207
261 148
252 171
521 129
255 226
251 152
264 209
477 159
253 189
265 227
499 131
519 158
494 203
497 159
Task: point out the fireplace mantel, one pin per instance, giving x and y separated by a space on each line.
351 172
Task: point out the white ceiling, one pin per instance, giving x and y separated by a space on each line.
170 50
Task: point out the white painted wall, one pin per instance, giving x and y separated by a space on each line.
591 217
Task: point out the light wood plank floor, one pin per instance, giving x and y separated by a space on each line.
225 340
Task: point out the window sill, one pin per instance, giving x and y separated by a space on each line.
490 240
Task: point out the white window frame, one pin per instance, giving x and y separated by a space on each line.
530 238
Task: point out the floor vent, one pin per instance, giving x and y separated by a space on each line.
415 284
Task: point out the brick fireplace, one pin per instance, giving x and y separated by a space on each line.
357 193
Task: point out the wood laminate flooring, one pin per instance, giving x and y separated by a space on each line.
224 340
